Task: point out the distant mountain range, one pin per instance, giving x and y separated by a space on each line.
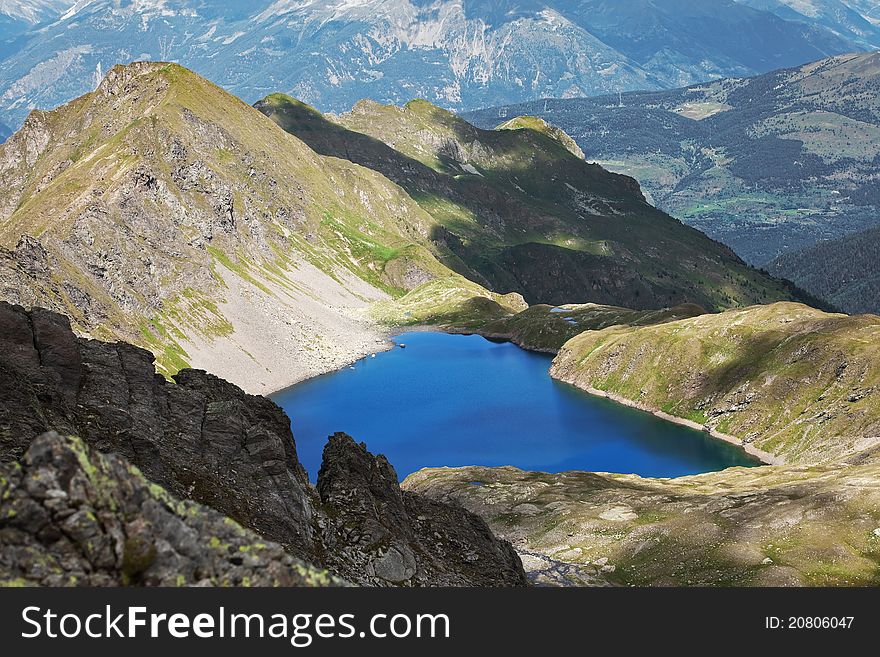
460 54
767 165
33 12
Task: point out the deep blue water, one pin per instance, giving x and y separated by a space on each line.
454 400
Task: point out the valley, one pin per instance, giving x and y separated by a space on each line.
165 212
768 165
170 253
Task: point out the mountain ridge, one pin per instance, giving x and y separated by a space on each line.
183 179
568 232
764 164
467 53
163 211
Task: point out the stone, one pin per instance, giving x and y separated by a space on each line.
203 439
401 536
112 527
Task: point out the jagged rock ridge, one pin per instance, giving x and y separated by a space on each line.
75 517
203 439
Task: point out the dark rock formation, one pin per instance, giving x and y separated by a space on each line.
390 535
70 515
203 439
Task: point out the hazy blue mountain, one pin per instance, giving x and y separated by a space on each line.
767 165
858 20
870 9
17 17
33 12
461 54
683 41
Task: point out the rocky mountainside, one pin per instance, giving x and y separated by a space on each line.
203 439
517 210
792 381
845 271
163 211
766 165
20 17
461 54
769 526
34 11
72 516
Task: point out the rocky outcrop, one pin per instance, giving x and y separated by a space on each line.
390 535
71 516
768 526
203 439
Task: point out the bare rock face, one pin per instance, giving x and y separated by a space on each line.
72 516
392 536
204 439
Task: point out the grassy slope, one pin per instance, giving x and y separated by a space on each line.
517 211
769 526
460 306
145 249
793 381
540 125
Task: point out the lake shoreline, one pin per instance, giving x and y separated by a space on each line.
383 345
388 344
502 337
313 425
765 457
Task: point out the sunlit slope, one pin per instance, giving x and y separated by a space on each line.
791 380
165 211
517 211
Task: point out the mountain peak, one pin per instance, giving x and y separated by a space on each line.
540 125
127 72
161 197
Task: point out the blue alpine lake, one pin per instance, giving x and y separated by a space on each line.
455 400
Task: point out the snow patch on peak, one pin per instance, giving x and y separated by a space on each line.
77 7
34 11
